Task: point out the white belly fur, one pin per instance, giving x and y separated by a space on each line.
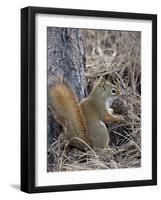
110 110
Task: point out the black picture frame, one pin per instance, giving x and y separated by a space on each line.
28 98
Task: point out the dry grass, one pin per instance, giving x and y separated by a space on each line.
116 56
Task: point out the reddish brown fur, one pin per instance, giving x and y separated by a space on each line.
67 109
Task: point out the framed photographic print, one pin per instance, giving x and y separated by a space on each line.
88 99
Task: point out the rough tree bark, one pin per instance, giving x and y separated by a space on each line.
65 57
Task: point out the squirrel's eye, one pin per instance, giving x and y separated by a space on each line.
113 91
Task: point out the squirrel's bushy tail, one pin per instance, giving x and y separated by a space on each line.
68 111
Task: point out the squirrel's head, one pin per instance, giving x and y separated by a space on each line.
106 90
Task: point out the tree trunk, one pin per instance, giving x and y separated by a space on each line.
65 57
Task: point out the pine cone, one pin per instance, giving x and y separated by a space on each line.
119 106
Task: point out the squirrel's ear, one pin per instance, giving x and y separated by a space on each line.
102 79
